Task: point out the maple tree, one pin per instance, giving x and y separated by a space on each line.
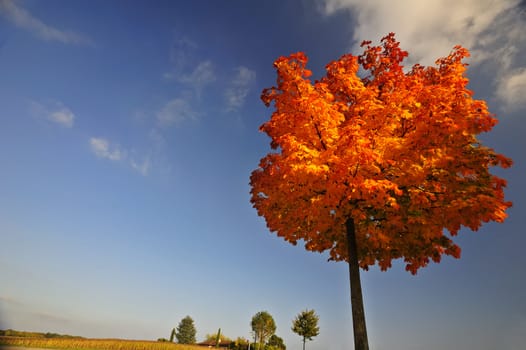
377 164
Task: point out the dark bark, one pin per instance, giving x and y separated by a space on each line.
358 314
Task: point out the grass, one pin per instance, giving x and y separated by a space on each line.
93 344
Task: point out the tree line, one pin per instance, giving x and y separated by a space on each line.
263 331
25 334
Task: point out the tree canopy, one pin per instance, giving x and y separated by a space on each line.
263 326
306 325
275 343
396 152
186 331
213 338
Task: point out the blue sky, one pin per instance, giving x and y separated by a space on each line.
129 129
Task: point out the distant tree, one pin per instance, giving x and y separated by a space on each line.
263 326
185 333
239 344
213 338
275 343
172 335
218 337
306 325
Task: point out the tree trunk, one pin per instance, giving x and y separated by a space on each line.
358 314
303 343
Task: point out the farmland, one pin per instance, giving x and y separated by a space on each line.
91 344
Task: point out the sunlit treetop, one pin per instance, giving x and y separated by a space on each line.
395 151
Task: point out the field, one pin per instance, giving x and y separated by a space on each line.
92 344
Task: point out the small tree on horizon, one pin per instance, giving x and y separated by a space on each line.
240 344
306 325
263 326
186 332
213 338
275 343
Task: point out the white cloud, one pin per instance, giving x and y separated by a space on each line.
63 117
53 111
511 90
240 86
429 28
103 149
23 19
175 112
494 31
114 152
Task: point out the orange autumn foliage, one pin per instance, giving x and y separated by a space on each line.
395 151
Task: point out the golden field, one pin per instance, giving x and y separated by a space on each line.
93 344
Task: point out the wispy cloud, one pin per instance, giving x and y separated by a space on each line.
10 300
494 31
202 75
175 112
54 112
239 88
193 75
143 167
181 56
25 20
188 67
196 78
157 139
104 149
63 117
